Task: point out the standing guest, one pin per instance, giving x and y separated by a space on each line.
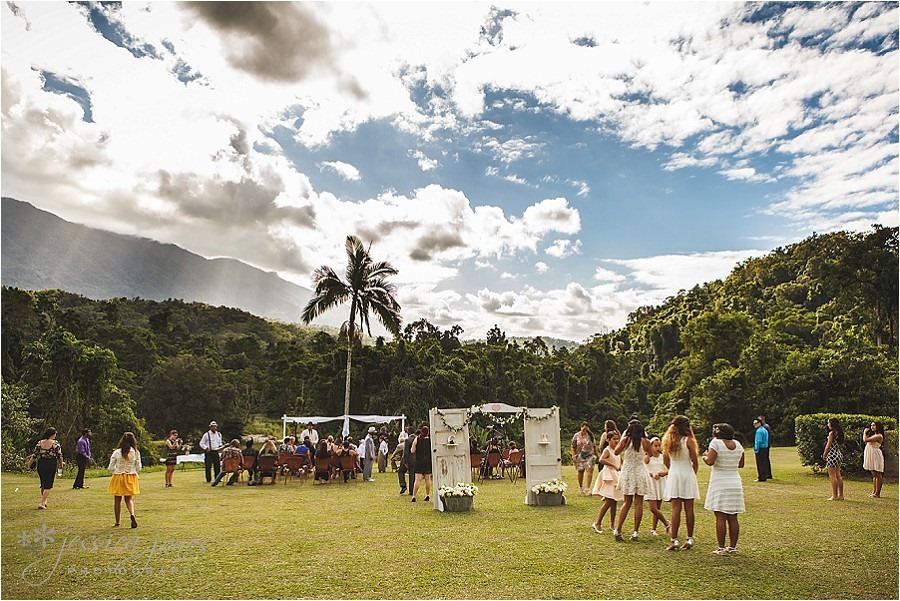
407 463
369 458
173 447
421 448
125 463
873 457
768 464
833 457
634 479
249 451
233 451
725 495
584 455
404 434
313 435
680 457
382 454
396 456
761 450
49 458
609 426
82 457
211 442
610 487
657 470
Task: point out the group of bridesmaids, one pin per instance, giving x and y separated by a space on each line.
635 467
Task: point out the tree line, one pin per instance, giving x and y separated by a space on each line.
808 328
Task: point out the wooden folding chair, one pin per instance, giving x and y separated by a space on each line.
348 466
247 464
511 465
322 466
266 468
475 460
292 466
231 465
493 462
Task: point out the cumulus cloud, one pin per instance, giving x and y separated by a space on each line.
541 267
563 248
345 170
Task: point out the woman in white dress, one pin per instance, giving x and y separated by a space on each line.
725 495
609 488
680 456
658 472
609 427
873 458
634 479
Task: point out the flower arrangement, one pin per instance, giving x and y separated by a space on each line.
553 486
460 490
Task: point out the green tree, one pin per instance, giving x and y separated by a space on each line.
366 287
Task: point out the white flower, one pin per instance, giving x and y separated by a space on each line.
461 489
553 486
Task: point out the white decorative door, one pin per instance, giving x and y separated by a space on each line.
449 450
543 457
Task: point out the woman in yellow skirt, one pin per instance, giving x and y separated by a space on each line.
124 464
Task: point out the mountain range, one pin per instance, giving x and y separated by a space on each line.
41 251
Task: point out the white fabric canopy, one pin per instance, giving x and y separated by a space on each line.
370 419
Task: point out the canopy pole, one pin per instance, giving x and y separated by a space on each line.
283 427
403 423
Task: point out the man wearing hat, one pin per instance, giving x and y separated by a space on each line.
369 445
211 442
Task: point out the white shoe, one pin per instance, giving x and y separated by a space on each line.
654 533
596 529
634 535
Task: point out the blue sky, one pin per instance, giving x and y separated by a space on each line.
547 167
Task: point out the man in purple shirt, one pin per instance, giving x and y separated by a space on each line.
82 456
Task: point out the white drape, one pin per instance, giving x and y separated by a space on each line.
370 419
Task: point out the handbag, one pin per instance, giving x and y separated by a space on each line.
32 462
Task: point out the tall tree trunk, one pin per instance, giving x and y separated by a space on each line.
347 389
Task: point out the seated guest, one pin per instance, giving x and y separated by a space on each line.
249 451
487 470
287 446
232 451
303 449
473 446
345 450
330 442
323 463
268 450
512 447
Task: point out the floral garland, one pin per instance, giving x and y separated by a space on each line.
471 411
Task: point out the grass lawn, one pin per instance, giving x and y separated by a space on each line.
363 540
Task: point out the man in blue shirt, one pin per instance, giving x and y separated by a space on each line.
761 450
82 457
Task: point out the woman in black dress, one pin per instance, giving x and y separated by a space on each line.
48 455
173 447
421 450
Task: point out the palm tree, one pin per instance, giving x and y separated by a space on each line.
366 287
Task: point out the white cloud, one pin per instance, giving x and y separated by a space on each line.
605 275
541 267
563 248
345 170
425 163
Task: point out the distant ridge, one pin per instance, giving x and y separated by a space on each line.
41 251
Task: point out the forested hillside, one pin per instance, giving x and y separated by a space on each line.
811 327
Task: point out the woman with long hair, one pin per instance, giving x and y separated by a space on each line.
584 456
609 427
173 447
634 479
725 495
421 450
609 490
833 457
680 457
124 463
873 457
48 457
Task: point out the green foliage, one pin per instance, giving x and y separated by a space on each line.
19 429
809 328
812 434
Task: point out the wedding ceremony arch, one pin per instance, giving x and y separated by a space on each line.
450 445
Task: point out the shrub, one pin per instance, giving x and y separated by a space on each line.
812 433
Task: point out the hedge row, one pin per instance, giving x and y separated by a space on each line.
812 435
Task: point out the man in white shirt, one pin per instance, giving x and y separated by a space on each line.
382 455
313 435
211 442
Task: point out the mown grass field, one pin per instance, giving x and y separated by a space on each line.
364 541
